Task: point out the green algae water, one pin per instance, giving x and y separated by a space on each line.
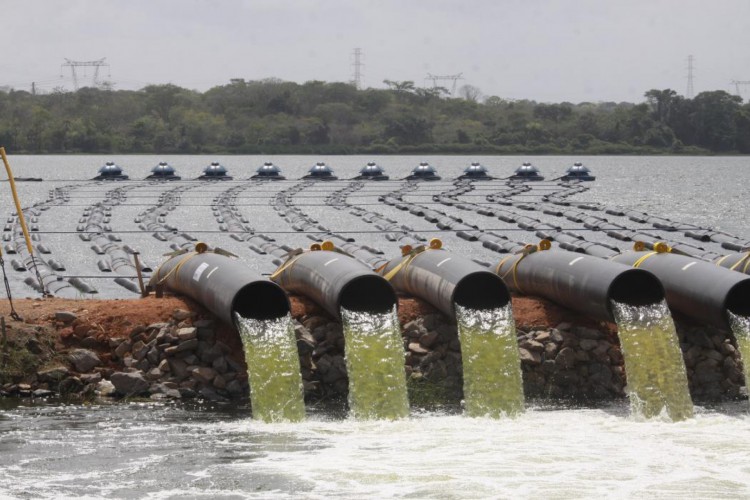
375 365
741 329
655 369
493 386
273 369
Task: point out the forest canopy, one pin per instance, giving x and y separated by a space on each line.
278 117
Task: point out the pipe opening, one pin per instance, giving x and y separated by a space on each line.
738 299
261 300
368 293
636 287
481 290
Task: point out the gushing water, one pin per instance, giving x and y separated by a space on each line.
741 329
657 379
375 365
273 369
493 386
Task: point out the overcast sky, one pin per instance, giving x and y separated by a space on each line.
545 50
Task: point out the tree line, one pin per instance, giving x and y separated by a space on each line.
278 117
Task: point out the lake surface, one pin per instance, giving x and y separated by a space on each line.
711 192
188 450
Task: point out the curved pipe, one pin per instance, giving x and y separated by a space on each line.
696 288
334 280
739 262
223 285
444 279
579 282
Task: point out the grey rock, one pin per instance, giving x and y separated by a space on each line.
429 339
178 368
220 364
543 336
712 354
84 360
65 316
181 315
203 374
153 355
137 330
210 394
91 378
432 321
189 333
143 365
42 393
416 348
586 333
139 350
54 375
532 345
122 349
70 385
550 350
728 349
191 359
529 357
114 342
234 388
219 382
566 358
556 336
164 366
166 390
588 344
90 343
181 347
129 383
187 393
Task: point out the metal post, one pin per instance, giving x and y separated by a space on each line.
144 292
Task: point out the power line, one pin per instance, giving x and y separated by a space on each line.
358 65
85 64
690 90
450 78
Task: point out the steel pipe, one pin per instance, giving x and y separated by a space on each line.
334 280
739 262
698 289
579 282
443 279
223 285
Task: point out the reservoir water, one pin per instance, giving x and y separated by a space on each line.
148 450
158 451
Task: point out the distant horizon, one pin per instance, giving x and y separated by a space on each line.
103 84
541 50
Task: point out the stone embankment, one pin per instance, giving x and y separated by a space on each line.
189 355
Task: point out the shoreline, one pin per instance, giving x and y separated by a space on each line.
171 348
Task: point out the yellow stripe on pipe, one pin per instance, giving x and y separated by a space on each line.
21 218
640 261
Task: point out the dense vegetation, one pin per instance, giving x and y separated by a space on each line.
273 116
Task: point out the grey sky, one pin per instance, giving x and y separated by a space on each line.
545 50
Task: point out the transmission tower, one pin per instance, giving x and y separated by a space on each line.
358 65
85 64
439 78
690 92
737 84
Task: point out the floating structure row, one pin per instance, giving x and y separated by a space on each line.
372 171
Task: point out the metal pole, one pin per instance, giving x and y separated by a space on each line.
144 292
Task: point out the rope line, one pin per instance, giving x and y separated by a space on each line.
13 313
